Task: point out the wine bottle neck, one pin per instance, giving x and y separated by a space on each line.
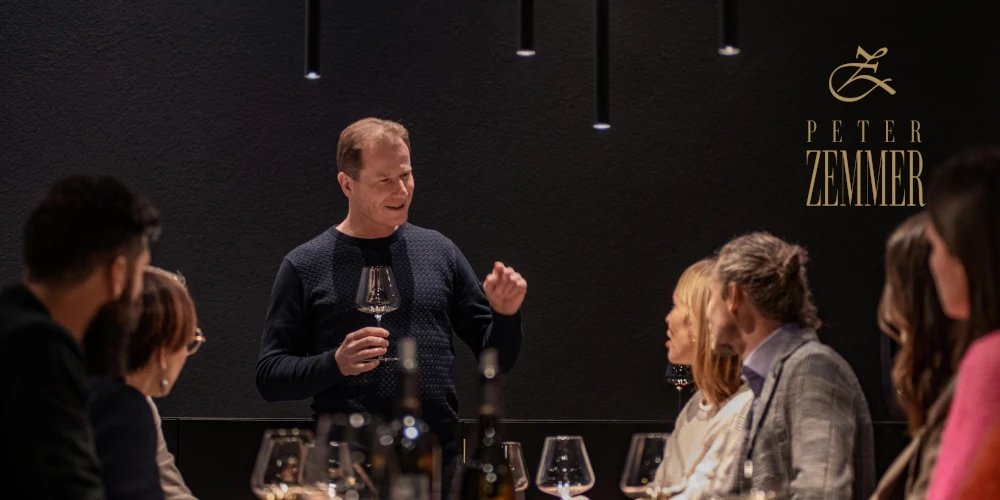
489 416
409 400
489 403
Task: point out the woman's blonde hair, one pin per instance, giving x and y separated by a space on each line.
717 377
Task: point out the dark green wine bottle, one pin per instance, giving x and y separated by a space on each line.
416 450
487 474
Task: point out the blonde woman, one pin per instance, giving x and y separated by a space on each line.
700 450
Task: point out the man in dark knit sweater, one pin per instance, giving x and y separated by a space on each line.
316 344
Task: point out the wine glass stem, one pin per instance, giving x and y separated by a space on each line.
378 320
564 491
679 390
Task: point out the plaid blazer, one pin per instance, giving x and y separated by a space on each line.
811 434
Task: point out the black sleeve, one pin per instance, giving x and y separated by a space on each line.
51 398
476 323
285 371
126 444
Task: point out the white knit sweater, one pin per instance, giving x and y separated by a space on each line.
703 447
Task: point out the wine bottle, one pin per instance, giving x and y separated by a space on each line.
487 474
382 459
417 453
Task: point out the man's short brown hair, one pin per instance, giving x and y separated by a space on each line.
359 135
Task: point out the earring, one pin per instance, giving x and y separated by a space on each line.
163 385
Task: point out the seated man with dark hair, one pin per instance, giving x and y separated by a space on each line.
85 247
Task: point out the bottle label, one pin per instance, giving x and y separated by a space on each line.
410 487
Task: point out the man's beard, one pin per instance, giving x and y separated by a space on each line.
724 334
105 342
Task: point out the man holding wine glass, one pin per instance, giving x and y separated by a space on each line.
319 343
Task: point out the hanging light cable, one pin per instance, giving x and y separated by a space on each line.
526 42
602 67
313 16
728 43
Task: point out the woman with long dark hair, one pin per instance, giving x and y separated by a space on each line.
964 204
923 370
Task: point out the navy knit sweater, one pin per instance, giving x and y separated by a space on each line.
312 309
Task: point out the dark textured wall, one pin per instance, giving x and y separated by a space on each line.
203 107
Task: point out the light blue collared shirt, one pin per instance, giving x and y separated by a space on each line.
760 360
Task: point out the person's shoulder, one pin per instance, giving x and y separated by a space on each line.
817 358
37 334
316 247
115 398
981 357
732 406
415 232
987 346
742 396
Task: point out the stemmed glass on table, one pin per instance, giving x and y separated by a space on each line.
377 295
278 473
643 475
291 464
515 457
564 470
679 376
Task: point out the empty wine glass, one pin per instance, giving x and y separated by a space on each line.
646 456
278 472
564 469
515 457
679 376
377 295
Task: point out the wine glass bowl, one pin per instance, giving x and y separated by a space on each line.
679 376
377 295
646 457
278 472
515 457
564 469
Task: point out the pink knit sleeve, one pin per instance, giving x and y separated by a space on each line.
975 407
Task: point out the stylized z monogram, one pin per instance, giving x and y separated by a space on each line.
876 83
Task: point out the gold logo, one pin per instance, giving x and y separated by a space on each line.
876 83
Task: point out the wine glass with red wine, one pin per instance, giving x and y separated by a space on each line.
679 376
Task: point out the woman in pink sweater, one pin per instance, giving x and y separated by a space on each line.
964 203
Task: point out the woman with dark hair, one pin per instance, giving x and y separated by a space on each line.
964 204
923 371
128 438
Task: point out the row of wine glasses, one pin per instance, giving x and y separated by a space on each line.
565 471
291 464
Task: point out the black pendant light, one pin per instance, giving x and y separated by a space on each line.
728 43
526 42
602 67
313 16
